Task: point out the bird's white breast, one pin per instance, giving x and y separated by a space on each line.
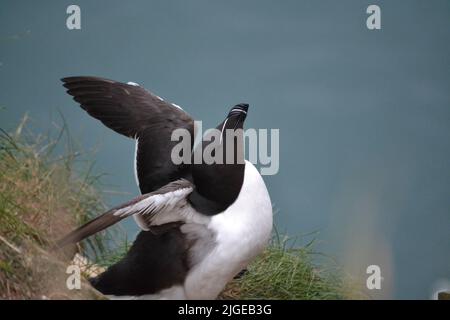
242 232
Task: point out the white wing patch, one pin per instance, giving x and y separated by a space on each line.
173 104
177 106
135 162
162 208
133 84
155 203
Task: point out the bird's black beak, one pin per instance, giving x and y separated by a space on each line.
238 113
239 109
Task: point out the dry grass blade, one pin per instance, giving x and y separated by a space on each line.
43 195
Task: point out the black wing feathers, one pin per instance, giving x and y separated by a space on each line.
127 109
136 113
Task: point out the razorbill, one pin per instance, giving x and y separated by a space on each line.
202 222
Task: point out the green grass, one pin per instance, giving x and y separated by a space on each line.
286 272
44 194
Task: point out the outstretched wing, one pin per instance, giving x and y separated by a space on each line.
164 206
136 113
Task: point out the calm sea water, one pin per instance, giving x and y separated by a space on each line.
364 116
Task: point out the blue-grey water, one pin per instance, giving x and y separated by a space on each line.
364 115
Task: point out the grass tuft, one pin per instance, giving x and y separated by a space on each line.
285 272
43 195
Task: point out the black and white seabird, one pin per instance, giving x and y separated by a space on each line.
202 223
